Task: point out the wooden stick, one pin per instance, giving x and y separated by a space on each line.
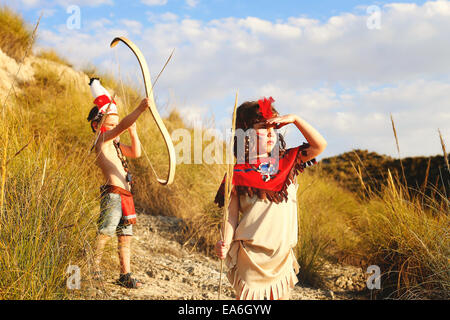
228 189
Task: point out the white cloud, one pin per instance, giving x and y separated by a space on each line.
192 3
168 17
47 13
154 2
99 23
132 25
88 3
161 18
30 3
46 4
340 76
362 119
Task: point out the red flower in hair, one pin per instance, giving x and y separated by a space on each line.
265 106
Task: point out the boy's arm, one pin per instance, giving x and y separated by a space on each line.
133 151
126 122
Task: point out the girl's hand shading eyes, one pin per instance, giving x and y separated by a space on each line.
281 121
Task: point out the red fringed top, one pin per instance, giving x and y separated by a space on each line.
264 178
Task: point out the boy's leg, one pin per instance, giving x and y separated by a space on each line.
124 248
108 221
102 239
124 243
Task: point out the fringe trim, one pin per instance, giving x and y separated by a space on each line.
273 196
276 290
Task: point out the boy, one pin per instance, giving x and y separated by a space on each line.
117 208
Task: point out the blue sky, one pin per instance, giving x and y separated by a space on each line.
204 10
318 59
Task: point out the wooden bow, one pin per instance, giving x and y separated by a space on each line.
149 94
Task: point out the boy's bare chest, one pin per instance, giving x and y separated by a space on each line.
108 158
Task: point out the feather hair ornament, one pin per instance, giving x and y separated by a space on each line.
265 107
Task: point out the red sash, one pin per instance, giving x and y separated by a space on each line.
267 178
128 210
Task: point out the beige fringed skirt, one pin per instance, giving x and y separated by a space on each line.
261 261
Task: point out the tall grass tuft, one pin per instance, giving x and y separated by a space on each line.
49 206
15 34
444 150
46 218
409 241
3 169
406 234
327 216
52 55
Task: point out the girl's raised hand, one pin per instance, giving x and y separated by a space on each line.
281 121
221 249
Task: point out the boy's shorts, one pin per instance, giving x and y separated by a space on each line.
110 221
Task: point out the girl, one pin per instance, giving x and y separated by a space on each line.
258 248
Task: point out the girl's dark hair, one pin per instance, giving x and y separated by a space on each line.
247 115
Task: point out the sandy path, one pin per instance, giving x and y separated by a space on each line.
170 271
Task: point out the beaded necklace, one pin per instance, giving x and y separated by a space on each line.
124 161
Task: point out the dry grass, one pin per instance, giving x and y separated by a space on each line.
403 232
3 168
46 219
409 241
15 35
52 55
327 215
51 201
191 195
444 151
49 208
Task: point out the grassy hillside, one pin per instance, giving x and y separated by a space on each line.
50 193
408 238
15 34
420 172
51 185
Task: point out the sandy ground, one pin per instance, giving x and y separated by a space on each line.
172 272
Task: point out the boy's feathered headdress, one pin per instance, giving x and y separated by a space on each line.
102 100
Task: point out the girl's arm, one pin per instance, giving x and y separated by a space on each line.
222 247
133 151
316 141
231 223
